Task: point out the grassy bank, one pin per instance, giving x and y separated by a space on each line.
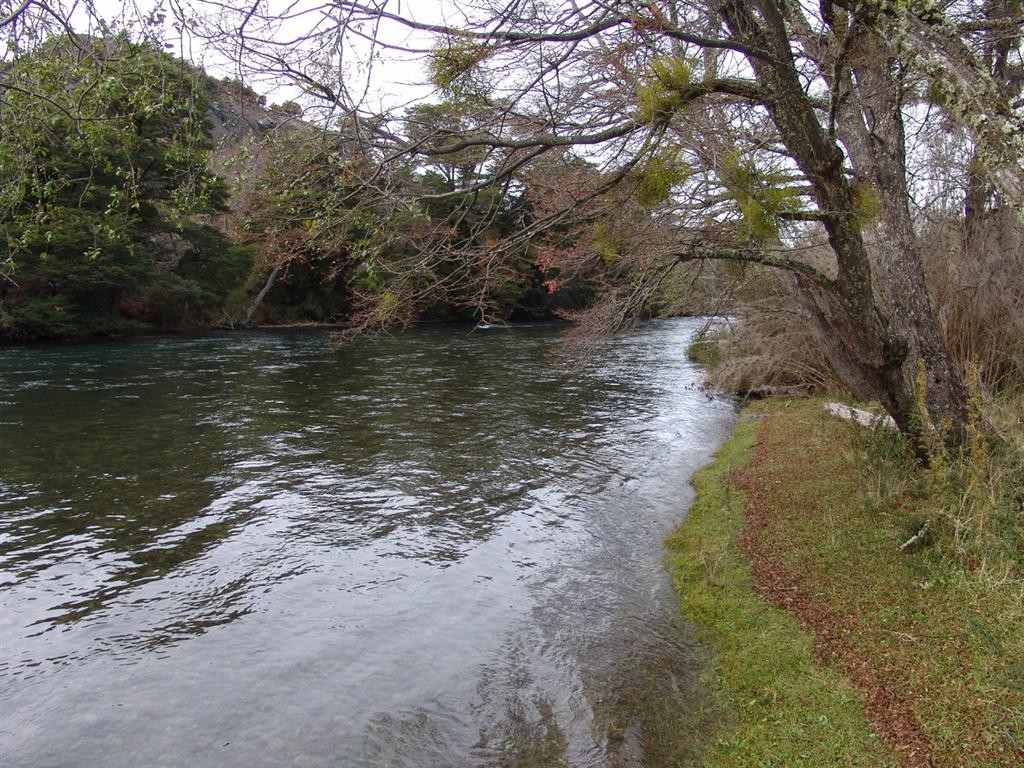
835 643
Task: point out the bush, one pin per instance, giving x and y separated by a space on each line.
705 347
103 148
772 348
49 318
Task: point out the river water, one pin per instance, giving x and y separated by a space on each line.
427 549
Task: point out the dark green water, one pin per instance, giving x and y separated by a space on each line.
430 549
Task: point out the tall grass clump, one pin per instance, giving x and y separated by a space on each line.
967 506
770 348
977 288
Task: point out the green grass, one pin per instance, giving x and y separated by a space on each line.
780 708
705 347
839 501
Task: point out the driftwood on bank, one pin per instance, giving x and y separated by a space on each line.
859 416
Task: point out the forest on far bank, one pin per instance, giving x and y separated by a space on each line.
141 195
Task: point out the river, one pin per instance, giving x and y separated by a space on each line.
429 549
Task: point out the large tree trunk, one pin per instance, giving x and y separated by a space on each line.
874 135
877 340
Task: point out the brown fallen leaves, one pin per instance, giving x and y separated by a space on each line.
888 709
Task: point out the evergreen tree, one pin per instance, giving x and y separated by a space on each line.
103 147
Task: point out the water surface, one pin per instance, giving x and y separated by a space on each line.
428 549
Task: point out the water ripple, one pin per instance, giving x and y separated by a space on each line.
430 549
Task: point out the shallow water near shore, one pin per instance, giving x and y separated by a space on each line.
426 549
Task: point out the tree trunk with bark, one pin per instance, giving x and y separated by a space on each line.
877 333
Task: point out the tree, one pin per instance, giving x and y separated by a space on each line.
103 151
753 122
380 240
717 130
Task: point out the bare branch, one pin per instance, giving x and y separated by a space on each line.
13 16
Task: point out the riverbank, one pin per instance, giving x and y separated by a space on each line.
335 328
836 642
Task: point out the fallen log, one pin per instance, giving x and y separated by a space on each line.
860 416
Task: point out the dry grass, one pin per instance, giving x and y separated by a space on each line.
971 504
771 348
977 290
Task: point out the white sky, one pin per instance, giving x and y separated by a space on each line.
394 80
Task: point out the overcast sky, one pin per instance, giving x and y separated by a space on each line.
394 79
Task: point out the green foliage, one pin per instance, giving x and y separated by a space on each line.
661 93
656 178
867 204
387 309
705 348
308 208
761 197
195 290
969 501
434 125
453 67
60 317
937 93
354 250
102 144
213 263
606 241
52 317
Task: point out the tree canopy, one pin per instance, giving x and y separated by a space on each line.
728 130
103 154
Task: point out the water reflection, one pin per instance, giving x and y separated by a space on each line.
428 549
